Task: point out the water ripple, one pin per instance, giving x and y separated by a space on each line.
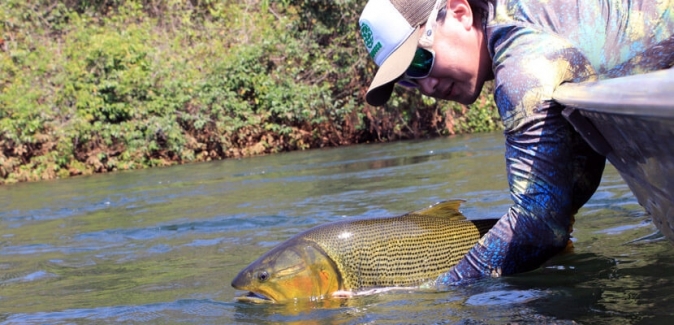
177 311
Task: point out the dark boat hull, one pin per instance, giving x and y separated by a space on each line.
630 120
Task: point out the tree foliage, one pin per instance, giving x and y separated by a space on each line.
101 85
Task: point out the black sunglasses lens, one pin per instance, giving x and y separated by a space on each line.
408 83
421 64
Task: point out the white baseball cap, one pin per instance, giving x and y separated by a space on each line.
390 31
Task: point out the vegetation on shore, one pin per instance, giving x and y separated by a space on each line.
90 86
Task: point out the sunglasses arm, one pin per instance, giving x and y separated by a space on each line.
426 40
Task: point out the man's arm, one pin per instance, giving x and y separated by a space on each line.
552 172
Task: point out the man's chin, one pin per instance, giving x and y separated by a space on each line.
467 100
471 98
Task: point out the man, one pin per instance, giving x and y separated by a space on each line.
448 49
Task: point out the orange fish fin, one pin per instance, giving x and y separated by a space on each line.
444 209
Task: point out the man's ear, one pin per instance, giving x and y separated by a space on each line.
461 11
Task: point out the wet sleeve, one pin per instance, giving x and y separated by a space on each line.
551 170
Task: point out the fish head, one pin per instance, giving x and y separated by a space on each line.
294 270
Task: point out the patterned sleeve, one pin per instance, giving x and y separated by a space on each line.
551 171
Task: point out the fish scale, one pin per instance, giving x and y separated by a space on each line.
419 248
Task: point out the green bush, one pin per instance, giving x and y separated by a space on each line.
103 85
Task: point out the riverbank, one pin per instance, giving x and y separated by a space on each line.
92 87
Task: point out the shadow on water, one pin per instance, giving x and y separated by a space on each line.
161 246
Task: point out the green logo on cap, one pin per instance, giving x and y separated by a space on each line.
366 33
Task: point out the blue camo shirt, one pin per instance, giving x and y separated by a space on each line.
535 46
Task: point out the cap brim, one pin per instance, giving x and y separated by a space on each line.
391 69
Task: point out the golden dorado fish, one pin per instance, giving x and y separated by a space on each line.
355 255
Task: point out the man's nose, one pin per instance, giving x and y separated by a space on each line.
427 85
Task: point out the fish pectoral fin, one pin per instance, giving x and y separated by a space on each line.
445 209
344 294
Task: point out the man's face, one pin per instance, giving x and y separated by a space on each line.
462 62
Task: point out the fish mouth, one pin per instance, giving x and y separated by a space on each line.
253 297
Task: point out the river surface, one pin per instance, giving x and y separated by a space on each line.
161 246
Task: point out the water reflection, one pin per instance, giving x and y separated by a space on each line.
162 246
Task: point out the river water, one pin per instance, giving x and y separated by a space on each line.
161 246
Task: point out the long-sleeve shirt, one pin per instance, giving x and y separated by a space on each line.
535 46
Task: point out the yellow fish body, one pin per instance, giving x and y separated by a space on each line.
353 255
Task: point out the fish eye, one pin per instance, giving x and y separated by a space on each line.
263 276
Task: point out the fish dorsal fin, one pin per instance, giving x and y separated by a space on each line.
446 209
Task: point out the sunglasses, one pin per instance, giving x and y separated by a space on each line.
420 68
423 60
